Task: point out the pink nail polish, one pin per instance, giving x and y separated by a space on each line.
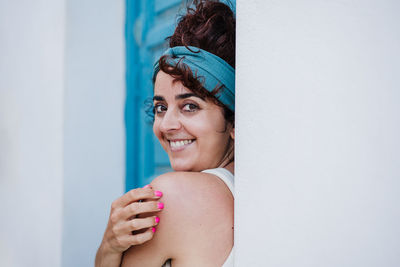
157 219
160 205
153 229
158 193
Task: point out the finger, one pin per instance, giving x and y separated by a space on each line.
121 230
141 207
136 195
142 237
141 223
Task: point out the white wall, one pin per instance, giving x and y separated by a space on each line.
31 131
94 141
61 128
318 155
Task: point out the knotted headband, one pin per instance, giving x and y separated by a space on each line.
215 71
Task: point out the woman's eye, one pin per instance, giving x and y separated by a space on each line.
159 109
190 107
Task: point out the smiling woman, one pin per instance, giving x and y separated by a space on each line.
194 105
190 128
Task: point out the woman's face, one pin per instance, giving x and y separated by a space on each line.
192 130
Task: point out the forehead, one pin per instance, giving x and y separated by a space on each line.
165 85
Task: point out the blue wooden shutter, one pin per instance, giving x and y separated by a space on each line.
148 23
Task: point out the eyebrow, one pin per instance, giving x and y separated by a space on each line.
158 98
181 96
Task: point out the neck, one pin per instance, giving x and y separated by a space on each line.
231 167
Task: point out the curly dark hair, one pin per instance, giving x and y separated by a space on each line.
209 25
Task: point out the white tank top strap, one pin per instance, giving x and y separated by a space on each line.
225 176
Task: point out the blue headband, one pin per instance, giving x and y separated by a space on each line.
215 70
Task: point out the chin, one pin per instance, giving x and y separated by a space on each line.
182 166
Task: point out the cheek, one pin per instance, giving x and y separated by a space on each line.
197 127
214 124
209 126
156 129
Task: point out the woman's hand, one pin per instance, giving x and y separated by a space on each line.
124 229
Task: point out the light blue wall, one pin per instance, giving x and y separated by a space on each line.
94 139
31 132
62 141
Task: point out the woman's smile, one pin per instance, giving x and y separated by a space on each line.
180 144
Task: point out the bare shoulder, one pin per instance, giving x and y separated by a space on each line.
198 206
192 195
195 186
198 211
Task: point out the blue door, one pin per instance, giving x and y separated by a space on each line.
148 23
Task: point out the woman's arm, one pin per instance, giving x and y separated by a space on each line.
123 220
196 226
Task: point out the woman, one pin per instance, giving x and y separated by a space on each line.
185 218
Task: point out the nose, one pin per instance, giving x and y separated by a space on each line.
170 121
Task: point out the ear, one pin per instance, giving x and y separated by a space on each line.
232 133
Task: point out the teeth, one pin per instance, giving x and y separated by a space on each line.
176 144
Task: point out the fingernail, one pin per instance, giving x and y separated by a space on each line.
157 219
158 193
146 186
153 229
160 205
